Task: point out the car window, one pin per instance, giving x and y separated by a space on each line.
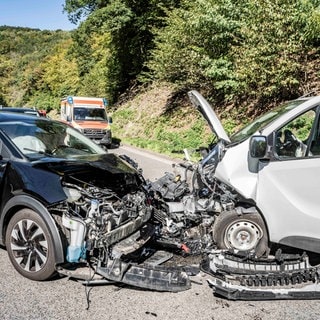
95 114
293 139
4 152
38 138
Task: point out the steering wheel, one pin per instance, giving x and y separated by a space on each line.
291 146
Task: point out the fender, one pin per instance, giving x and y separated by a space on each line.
25 201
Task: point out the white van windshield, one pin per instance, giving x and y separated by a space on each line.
262 121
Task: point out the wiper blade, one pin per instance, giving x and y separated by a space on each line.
38 151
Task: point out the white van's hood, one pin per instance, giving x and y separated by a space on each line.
206 110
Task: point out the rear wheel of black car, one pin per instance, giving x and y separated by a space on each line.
246 232
30 246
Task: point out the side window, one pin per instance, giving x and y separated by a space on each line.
293 139
5 154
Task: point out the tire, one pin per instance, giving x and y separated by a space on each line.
30 246
245 233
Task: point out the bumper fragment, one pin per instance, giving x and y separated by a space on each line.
279 277
144 276
236 292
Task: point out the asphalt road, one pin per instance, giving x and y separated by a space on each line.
153 165
62 298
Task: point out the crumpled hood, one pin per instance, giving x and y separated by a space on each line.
106 162
103 171
207 112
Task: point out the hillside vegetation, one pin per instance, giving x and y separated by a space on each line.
144 56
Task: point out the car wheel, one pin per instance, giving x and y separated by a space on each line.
30 246
246 232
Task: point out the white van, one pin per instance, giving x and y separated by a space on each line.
271 169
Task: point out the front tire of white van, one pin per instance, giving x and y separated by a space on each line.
246 232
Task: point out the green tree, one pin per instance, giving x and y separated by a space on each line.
193 49
34 63
59 73
237 50
275 42
129 25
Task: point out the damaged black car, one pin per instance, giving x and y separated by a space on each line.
69 205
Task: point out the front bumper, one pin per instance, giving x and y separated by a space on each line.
107 138
103 136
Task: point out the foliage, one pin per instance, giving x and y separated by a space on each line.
127 25
192 50
237 50
274 45
244 56
35 69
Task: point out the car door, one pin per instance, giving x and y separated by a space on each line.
288 191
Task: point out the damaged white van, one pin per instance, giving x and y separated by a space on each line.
251 204
256 188
272 170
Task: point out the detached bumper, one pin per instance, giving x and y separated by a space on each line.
155 278
279 277
237 292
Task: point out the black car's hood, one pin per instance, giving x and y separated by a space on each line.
106 162
43 177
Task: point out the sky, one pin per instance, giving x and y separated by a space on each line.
38 14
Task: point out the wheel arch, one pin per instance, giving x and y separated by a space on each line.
24 201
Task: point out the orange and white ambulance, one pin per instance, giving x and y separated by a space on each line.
89 116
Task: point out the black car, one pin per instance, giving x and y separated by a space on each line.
28 111
66 203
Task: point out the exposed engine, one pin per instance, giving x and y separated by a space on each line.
98 218
110 234
188 200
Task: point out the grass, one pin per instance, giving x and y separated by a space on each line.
151 123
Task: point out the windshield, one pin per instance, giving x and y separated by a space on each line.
37 138
92 114
263 121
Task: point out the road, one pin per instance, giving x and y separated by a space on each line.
153 165
61 298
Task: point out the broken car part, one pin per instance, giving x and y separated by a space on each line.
240 277
67 204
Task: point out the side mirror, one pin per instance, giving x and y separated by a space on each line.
68 118
110 120
258 147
